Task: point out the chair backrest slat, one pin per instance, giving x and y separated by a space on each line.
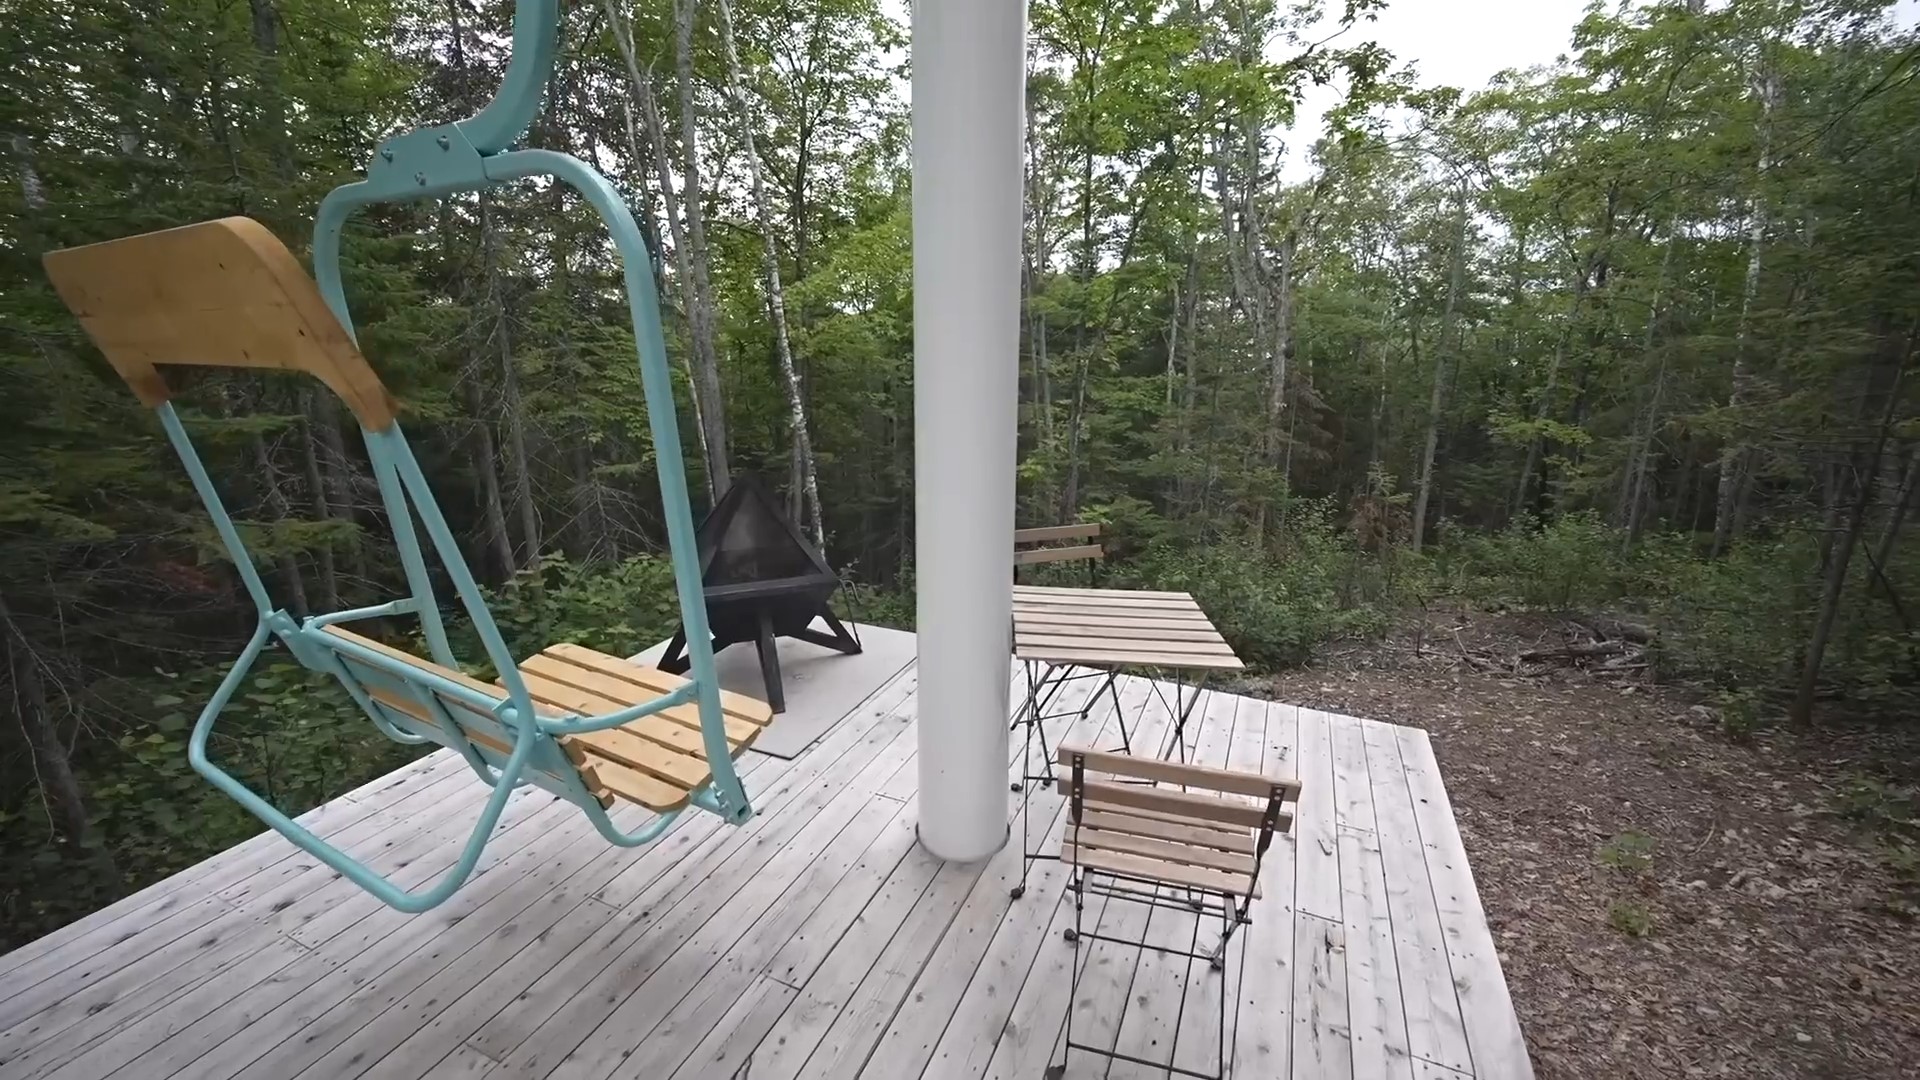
1228 781
1047 534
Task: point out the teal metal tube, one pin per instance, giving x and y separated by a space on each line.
372 611
680 695
646 834
392 447
407 542
644 308
536 36
349 867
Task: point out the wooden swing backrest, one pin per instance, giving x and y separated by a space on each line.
224 293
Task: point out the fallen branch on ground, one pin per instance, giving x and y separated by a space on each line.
1576 651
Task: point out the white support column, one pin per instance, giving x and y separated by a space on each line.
969 108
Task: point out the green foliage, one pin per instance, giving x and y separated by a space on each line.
1631 918
1630 856
1737 621
292 736
1889 816
617 608
1570 562
1880 806
1741 711
1272 608
1630 853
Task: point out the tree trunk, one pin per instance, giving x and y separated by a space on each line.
275 504
1436 405
485 463
337 470
1089 260
66 802
1277 368
700 316
1537 442
776 297
1837 563
1902 505
32 192
310 454
1729 508
703 364
519 485
1639 455
590 517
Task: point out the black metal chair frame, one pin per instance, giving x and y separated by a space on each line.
1045 681
1234 911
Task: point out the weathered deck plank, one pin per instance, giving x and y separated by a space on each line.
817 941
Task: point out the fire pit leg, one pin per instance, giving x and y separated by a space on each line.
840 640
672 661
770 663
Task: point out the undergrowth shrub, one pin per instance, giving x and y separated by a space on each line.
1738 621
1273 607
618 608
293 737
1571 561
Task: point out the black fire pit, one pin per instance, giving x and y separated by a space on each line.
762 580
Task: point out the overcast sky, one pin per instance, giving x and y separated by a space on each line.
1462 43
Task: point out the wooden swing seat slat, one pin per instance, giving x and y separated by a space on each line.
656 761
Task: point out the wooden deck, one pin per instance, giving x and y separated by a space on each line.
818 940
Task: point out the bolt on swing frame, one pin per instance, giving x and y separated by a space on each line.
475 155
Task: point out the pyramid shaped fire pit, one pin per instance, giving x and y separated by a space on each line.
762 580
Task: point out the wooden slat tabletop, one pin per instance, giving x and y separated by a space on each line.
1116 628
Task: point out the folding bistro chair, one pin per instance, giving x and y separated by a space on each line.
1189 838
1056 543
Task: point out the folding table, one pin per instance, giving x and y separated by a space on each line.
1056 630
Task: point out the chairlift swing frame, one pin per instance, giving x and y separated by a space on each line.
129 295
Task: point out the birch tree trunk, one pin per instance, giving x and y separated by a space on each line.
1537 443
700 315
1734 462
776 298
1436 405
1282 350
338 471
703 364
32 192
1089 258
1638 463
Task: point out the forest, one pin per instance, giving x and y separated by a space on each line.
1630 333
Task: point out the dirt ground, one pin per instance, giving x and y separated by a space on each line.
1668 901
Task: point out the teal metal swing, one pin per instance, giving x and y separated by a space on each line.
587 727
